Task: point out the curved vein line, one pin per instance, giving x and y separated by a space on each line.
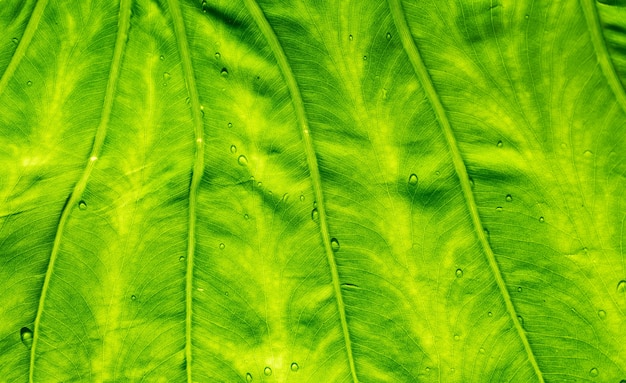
294 90
412 51
197 171
604 59
79 188
23 44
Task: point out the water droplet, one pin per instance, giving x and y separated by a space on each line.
471 182
509 198
246 216
489 314
201 289
301 197
519 289
224 72
15 40
350 38
26 335
588 153
82 205
384 94
181 258
222 246
457 338
593 372
499 208
161 57
459 273
482 350
520 319
388 36
233 149
427 369
437 173
285 197
248 377
29 83
314 215
526 17
294 367
267 371
230 125
413 179
364 57
500 144
334 244
217 55
242 160
166 76
187 101
541 219
133 297
602 314
204 9
259 184
621 286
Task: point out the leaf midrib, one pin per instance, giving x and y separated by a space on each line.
79 188
294 90
410 47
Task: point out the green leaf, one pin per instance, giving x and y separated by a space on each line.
312 191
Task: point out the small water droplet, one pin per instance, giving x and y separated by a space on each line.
82 205
230 125
301 197
267 371
482 350
350 38
459 273
499 208
242 160
246 216
181 258
204 9
233 149
520 319
217 55
248 377
166 76
471 182
602 314
364 57
500 144
541 219
222 246
509 198
200 289
427 369
588 153
133 297
224 72
26 335
314 215
593 372
187 101
259 184
294 367
437 173
29 83
413 179
489 314
457 338
526 17
285 197
15 40
519 289
334 244
161 57
388 36
621 287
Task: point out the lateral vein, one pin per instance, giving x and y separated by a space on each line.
412 51
294 90
79 188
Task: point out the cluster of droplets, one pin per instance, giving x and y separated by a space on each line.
267 371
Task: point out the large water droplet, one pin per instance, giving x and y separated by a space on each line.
334 244
233 149
82 205
267 371
242 160
314 215
248 377
413 179
26 335
593 372
459 273
224 72
294 367
509 198
601 314
621 287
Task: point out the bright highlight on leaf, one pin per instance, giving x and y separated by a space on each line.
313 191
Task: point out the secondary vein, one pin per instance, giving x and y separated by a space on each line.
294 90
198 169
79 188
420 70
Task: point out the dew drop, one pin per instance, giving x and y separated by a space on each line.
489 314
482 350
26 335
350 38
519 289
267 371
166 76
294 367
82 205
301 197
500 144
593 372
133 297
187 101
222 246
388 36
541 219
601 314
527 17
457 338
520 319
314 215
334 244
413 179
248 377
364 57
29 83
181 258
621 286
588 153
217 55
161 57
224 72
499 208
509 198
427 369
242 160
459 273
233 149
204 9
15 40
230 125
246 216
